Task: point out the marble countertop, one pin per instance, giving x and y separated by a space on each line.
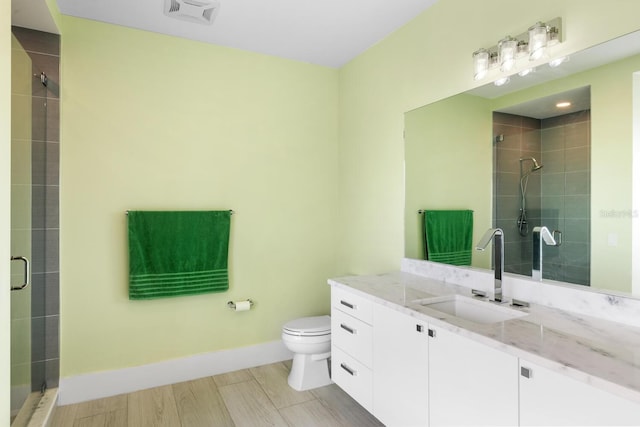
602 353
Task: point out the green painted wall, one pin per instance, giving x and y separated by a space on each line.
427 60
156 122
311 159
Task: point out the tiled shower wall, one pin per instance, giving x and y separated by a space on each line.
520 139
558 195
566 195
44 51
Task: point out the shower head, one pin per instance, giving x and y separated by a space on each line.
536 166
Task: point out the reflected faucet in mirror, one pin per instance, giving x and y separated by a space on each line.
498 258
541 234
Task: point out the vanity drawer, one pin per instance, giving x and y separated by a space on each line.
357 306
353 336
353 377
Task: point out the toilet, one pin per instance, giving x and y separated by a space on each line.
309 338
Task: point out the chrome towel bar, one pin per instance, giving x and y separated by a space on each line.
230 210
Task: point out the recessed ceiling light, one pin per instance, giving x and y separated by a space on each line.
563 104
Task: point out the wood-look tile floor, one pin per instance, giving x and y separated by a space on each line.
250 397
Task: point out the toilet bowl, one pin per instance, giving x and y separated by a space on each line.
309 338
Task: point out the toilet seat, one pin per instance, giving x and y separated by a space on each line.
308 326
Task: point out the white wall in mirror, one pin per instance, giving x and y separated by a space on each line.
448 159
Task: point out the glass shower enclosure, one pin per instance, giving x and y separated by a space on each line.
34 219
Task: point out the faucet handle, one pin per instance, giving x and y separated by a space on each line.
486 238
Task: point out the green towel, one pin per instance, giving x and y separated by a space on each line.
448 236
177 253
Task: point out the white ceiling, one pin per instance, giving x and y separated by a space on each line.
326 32
32 14
545 107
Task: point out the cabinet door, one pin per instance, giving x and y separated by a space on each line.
470 383
551 398
400 368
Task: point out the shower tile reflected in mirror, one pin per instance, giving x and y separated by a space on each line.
516 146
542 177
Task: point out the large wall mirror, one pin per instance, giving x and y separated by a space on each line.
518 161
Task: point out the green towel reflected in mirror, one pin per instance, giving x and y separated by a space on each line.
448 236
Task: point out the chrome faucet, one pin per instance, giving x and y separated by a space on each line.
539 235
498 258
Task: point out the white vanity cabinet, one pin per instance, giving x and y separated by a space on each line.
551 398
351 345
408 372
426 375
470 383
400 368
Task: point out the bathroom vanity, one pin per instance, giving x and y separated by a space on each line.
416 347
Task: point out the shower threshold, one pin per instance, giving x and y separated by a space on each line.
38 409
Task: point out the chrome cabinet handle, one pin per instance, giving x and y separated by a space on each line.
27 272
526 372
346 304
348 329
348 369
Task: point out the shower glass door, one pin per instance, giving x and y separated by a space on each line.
21 204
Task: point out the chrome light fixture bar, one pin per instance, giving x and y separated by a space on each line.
533 43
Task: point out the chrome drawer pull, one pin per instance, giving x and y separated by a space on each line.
351 306
348 329
348 369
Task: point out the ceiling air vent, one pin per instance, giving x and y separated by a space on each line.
201 12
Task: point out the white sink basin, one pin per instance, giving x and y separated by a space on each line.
470 309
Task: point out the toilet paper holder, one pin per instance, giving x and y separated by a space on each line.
232 304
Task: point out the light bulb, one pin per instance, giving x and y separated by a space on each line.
537 41
480 64
507 49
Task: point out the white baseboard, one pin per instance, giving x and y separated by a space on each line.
97 385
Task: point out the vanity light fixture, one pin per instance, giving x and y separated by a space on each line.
534 44
563 104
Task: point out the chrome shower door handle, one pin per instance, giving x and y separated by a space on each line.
27 272
557 235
